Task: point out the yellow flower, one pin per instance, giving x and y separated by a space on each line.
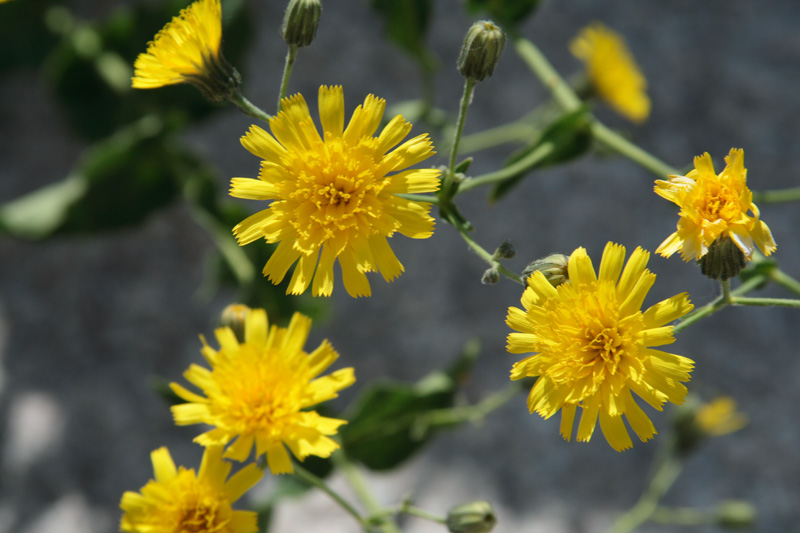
719 417
713 207
612 71
595 346
335 195
257 390
188 50
178 501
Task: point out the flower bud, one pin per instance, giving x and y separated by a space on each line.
554 268
481 50
736 514
505 251
490 277
723 260
234 317
300 22
474 517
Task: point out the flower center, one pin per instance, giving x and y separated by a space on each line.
607 346
202 517
718 201
334 192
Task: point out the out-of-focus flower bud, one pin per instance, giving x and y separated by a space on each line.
481 50
554 268
505 251
233 317
474 517
734 514
694 421
300 22
490 277
723 260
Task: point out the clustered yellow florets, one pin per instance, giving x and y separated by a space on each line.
335 196
178 500
258 392
594 346
714 206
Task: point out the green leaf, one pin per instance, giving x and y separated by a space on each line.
389 423
761 268
406 25
117 183
565 139
507 13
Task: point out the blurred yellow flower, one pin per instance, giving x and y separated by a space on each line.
595 346
187 50
714 206
335 196
257 390
179 501
612 71
719 417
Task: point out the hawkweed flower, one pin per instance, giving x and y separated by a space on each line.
719 417
612 71
179 501
715 208
257 391
594 346
335 196
187 50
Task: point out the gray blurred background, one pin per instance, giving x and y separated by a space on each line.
85 322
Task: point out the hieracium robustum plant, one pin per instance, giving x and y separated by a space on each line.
337 182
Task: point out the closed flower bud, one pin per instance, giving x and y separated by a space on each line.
505 251
724 260
736 514
554 268
233 317
481 50
300 22
474 517
490 277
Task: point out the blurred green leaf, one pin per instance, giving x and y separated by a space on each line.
117 183
389 424
565 139
760 268
406 26
507 13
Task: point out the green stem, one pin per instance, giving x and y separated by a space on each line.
466 97
766 302
569 101
541 152
248 108
364 493
315 481
550 78
486 256
777 196
726 291
643 510
421 513
420 198
784 280
291 55
512 132
624 147
684 516
472 413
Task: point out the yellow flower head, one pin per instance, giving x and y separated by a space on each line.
612 71
257 390
335 195
719 417
188 50
595 346
714 206
178 501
